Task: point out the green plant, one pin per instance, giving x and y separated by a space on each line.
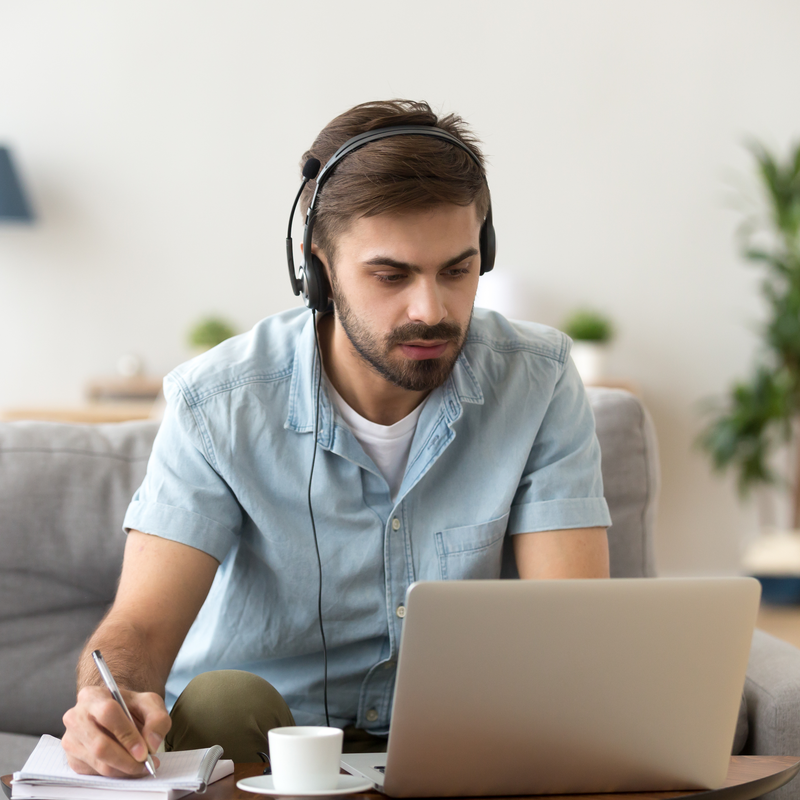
209 332
588 326
762 413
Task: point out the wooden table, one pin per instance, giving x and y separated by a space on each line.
748 777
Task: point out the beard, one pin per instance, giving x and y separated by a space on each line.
406 373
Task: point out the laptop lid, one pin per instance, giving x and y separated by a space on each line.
549 687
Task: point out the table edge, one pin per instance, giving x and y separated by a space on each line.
740 791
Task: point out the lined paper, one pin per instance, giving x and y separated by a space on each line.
182 769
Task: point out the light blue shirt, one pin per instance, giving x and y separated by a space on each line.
505 446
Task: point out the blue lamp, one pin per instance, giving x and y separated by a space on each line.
13 205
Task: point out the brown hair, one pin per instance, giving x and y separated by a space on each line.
396 174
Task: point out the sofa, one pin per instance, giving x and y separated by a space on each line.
63 494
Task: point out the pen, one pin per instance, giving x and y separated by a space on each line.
108 680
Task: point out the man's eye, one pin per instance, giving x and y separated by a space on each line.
457 272
392 277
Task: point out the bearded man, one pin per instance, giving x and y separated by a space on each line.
444 444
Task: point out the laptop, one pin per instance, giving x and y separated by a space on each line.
514 687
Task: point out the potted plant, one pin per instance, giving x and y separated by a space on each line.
209 332
758 422
591 333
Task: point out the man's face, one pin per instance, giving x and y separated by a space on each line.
403 289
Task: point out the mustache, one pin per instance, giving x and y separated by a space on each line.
418 331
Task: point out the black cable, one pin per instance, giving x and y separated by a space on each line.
314 527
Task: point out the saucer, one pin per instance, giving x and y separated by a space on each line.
262 784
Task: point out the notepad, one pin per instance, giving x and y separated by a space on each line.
47 775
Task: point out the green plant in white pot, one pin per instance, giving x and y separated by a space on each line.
591 332
758 422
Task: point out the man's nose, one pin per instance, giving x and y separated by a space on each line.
426 303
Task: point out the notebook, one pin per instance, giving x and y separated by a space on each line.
565 687
47 775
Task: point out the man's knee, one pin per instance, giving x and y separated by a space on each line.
230 692
231 708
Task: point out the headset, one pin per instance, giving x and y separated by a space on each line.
310 283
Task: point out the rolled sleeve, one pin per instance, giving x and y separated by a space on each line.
562 486
183 496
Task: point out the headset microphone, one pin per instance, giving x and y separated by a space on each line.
311 168
310 171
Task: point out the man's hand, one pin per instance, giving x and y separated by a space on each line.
100 739
161 589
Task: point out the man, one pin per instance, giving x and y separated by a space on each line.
445 445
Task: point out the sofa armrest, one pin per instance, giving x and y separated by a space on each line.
772 688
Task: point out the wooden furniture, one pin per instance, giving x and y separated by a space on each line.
780 621
114 399
93 413
124 389
748 777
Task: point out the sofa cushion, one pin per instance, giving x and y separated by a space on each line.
773 696
64 490
14 751
630 479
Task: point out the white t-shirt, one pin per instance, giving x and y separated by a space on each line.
387 445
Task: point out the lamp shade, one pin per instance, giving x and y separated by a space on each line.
13 205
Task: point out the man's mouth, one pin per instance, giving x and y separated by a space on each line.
419 351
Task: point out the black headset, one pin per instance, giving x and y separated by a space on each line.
310 282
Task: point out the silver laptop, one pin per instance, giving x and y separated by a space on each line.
560 687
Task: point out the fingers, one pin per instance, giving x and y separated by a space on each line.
100 739
154 721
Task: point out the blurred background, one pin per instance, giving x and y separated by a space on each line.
158 143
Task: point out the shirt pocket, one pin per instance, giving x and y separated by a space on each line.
473 551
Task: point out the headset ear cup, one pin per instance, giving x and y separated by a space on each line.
487 244
315 287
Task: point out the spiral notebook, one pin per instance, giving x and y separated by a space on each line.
47 775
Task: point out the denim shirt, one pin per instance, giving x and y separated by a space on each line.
505 446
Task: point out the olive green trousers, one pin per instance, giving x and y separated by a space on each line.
236 709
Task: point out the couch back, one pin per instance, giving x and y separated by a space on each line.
631 479
64 490
63 494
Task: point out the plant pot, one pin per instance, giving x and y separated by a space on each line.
590 358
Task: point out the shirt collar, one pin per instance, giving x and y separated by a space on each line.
461 387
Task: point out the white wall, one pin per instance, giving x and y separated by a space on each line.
160 140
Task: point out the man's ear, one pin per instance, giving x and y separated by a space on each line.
320 254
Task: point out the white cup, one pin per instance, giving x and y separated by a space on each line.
305 758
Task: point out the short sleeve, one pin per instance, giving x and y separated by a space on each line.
183 497
562 486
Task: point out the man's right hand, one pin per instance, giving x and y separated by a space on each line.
162 587
101 740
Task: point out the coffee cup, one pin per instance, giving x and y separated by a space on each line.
305 758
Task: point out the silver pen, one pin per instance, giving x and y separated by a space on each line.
108 680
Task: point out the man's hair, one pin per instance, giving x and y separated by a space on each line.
397 174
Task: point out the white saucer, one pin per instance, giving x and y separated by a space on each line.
262 784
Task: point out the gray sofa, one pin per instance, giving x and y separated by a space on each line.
63 493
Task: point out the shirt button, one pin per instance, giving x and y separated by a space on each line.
401 611
395 524
372 715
